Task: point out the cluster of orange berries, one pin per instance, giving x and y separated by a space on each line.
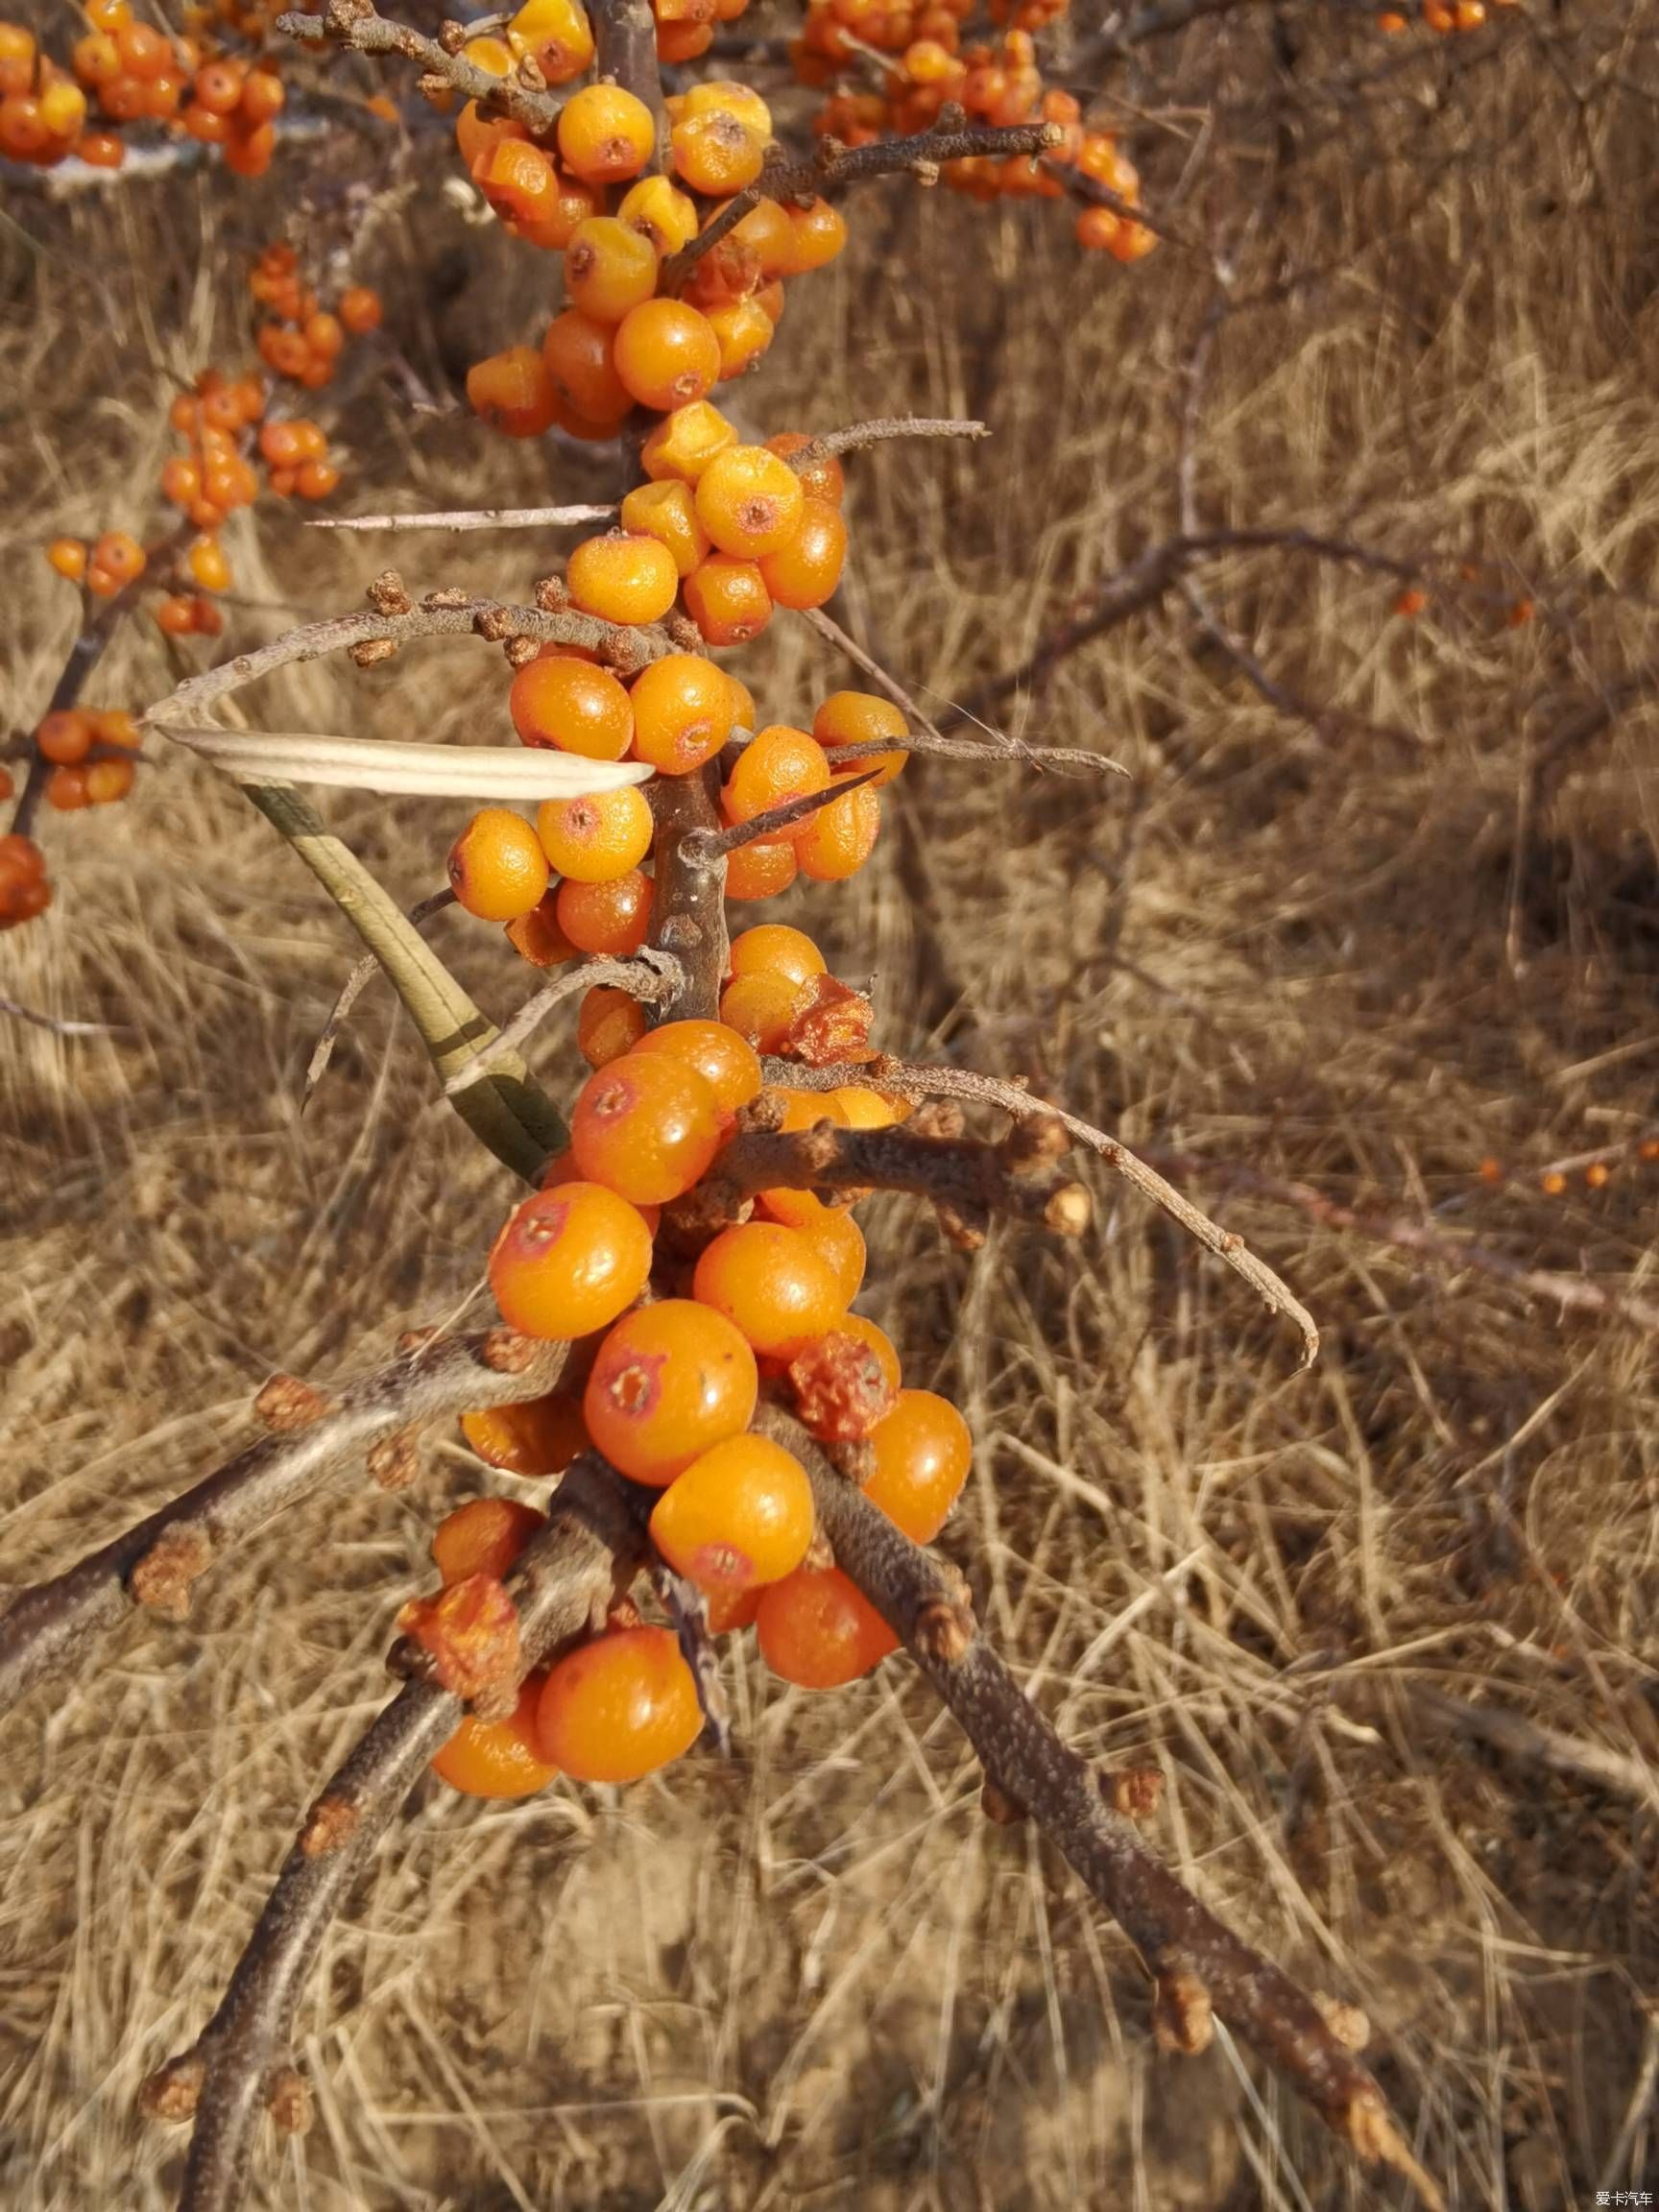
674 1348
620 342
1442 16
132 73
91 755
557 38
24 891
303 340
1597 1172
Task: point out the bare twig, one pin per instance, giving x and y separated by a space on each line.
1517 1738
352 989
355 24
651 977
880 431
459 519
1197 1964
55 1023
48 1627
918 1081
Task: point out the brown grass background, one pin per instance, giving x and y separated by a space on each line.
815 1977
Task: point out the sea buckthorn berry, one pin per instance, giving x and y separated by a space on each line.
818 1630
666 353
175 615
668 511
805 571
360 309
660 214
842 1389
514 392
1095 229
484 1536
498 1758
682 41
743 331
761 870
605 133
771 1284
726 1062
497 869
537 936
762 1009
837 841
739 1517
207 566
620 577
646 1126
729 1610
118 555
769 235
595 839
570 704
774 948
685 443
609 268
570 1261
717 153
670 1382
778 765
682 709
494 56
558 34
619 1707
579 356
109 780
727 600
923 1450
857 1107
66 790
64 737
606 917
860 718
725 96
750 501
68 556
837 1239
820 232
609 1024
537 1436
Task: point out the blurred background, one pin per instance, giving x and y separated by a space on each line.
1366 955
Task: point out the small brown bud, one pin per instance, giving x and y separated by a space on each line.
520 651
819 1554
683 631
1346 2021
162 1580
431 87
450 597
926 173
1182 2020
387 596
505 1351
451 35
1134 1791
495 623
394 1462
531 74
338 15
1033 1140
958 1230
288 2100
329 1826
952 116
944 1632
174 2090
998 1808
371 652
285 1404
551 596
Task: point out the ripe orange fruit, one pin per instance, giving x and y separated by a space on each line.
671 1380
725 1061
666 354
570 1261
483 1537
750 501
669 510
739 1516
538 1437
560 701
837 841
923 1450
860 718
611 916
609 1024
681 706
778 763
727 600
774 948
609 268
595 839
605 133
646 1126
623 578
497 869
818 1630
771 1284
499 1758
618 1707
805 571
763 1008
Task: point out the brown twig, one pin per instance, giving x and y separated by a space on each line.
918 1081
48 1627
651 976
355 24
1197 1964
461 519
716 844
880 431
352 989
562 1583
689 905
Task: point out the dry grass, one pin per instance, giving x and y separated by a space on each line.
816 1977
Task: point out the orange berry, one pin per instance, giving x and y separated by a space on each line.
685 443
1410 602
620 577
498 1758
837 1240
668 511
770 1282
729 1610
923 1450
646 1126
606 917
605 133
763 1008
818 1630
595 839
570 1261
805 571
671 1380
484 1536
619 1707
761 869
682 709
725 1061
660 214
263 94
579 354
570 704
119 556
837 841
875 1340
820 232
64 737
750 501
68 556
717 153
537 936
514 392
66 790
207 566
774 948
778 763
609 1024
666 354
740 1516
497 869
862 718
727 600
360 309
558 34
107 780
1095 229
743 331
609 268
537 1436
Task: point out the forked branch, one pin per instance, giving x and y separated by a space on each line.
355 25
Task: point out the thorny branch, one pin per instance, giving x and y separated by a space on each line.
49 1627
651 976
